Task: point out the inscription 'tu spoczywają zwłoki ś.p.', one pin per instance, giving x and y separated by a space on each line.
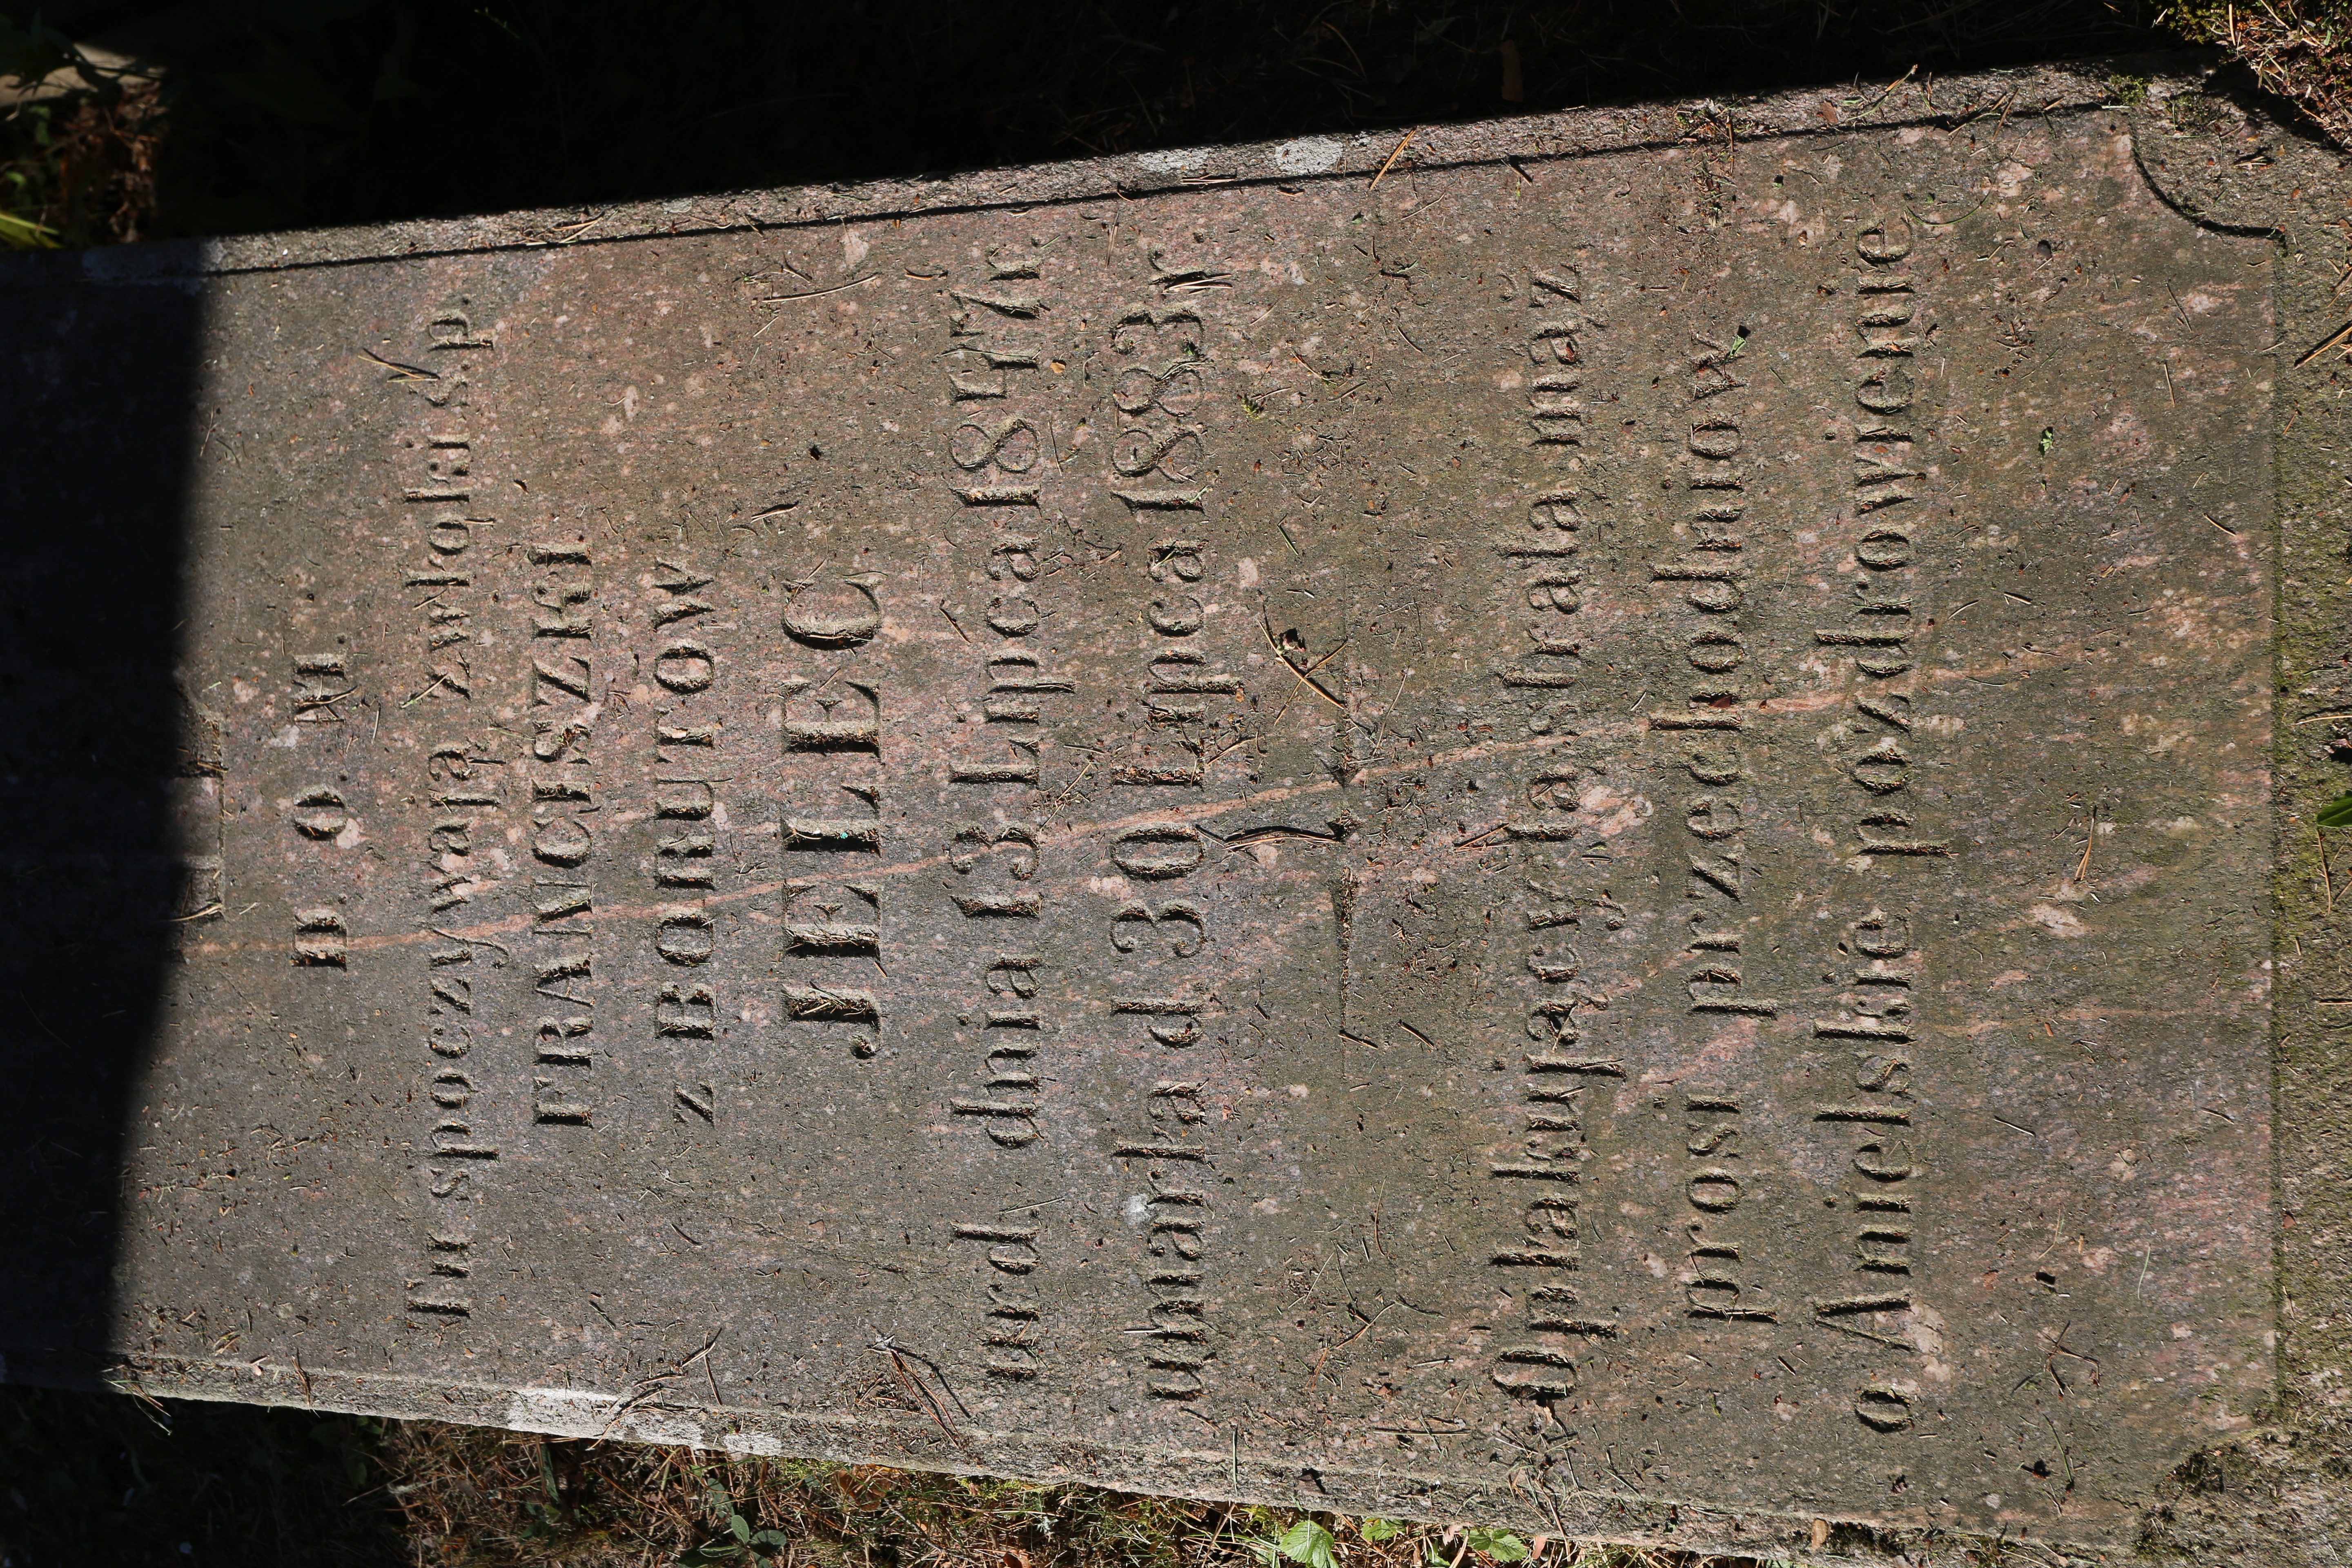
1583 829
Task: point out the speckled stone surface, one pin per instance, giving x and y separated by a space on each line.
1583 835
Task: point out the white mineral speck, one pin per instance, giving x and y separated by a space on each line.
1307 155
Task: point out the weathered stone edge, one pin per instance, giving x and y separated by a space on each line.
2281 1493
1562 1508
2025 92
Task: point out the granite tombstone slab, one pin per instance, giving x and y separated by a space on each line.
1583 832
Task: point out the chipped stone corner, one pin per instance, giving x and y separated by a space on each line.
2237 162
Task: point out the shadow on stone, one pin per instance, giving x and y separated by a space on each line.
98 1479
105 786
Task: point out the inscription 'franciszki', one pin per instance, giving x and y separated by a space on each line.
557 765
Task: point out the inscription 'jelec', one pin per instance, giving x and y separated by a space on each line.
995 351
831 830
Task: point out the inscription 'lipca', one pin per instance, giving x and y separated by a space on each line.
1157 458
997 333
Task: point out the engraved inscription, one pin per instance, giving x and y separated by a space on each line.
1709 588
557 767
444 546
684 867
1878 964
321 817
831 829
1384 863
996 345
1158 461
1553 854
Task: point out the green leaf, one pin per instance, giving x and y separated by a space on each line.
1499 1544
1310 1543
1378 1529
739 1527
2337 813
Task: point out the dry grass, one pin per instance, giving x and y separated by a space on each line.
101 1478
83 170
106 150
76 166
2299 49
492 1499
